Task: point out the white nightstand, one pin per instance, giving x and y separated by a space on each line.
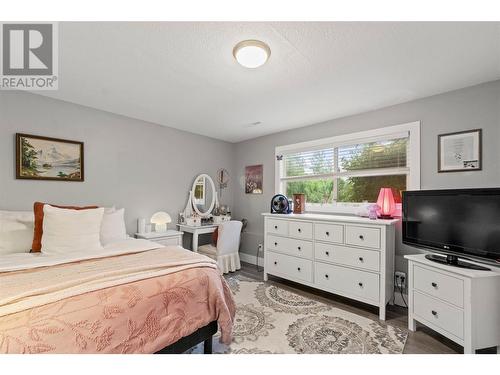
459 303
168 238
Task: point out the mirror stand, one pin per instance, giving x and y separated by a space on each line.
202 200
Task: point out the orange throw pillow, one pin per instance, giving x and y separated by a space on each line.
36 247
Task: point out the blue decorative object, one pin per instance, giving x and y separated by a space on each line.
280 204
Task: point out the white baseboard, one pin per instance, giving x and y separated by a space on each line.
248 258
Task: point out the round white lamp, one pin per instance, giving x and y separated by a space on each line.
160 220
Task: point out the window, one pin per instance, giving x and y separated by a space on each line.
336 174
310 172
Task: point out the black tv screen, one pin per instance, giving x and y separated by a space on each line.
462 222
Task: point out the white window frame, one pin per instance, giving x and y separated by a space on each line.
410 130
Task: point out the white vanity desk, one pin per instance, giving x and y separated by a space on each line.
196 231
346 255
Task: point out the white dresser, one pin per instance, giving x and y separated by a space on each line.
346 255
461 304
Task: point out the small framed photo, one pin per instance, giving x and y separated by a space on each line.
44 158
461 151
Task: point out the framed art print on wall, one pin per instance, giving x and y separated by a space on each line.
253 179
461 151
44 158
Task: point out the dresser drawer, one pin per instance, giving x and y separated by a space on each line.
439 285
350 282
442 315
277 227
290 246
362 236
361 258
329 232
288 266
300 229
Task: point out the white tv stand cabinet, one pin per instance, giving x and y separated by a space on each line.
346 255
459 303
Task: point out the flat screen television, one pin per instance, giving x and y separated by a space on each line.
462 222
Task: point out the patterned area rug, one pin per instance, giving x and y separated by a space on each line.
272 320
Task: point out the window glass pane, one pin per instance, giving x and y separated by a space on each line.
382 154
309 163
316 191
359 189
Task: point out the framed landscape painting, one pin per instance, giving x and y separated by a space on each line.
43 158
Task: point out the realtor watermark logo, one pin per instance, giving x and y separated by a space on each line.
29 56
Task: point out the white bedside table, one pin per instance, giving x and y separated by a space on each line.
168 238
459 303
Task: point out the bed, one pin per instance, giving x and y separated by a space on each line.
130 297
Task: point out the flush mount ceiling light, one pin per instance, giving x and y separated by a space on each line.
251 53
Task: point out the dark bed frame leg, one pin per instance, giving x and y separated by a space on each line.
207 346
203 335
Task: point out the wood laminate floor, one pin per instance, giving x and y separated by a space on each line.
423 341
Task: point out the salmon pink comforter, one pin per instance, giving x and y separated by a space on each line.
142 316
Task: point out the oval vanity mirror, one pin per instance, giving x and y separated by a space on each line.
203 195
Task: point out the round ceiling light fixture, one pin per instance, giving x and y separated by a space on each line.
251 53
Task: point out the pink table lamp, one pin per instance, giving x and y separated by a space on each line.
386 203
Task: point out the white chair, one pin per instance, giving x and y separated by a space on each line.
228 242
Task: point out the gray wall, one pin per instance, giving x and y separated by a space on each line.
469 108
128 163
146 167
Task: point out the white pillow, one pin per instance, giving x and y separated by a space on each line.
113 226
71 230
16 231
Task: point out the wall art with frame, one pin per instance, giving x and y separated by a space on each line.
460 151
253 179
44 158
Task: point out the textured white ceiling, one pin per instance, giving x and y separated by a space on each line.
183 75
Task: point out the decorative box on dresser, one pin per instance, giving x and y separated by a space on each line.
461 304
168 238
346 255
